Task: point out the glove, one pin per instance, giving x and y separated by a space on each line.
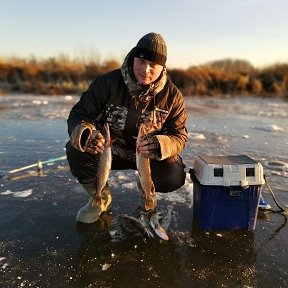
86 138
150 147
95 143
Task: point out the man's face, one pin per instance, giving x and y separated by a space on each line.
146 71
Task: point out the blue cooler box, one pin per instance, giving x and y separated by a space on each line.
226 192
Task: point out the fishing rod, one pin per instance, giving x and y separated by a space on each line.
39 164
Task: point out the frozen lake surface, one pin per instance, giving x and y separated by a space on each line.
41 245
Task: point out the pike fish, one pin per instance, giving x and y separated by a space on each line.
132 225
103 166
144 171
147 224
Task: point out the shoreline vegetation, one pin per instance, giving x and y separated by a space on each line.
62 75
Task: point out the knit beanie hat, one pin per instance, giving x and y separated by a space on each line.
152 47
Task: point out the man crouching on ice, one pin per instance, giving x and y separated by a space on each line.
139 94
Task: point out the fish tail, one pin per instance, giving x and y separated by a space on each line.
96 201
149 204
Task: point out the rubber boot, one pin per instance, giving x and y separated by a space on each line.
89 213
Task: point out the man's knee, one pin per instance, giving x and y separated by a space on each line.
168 176
170 183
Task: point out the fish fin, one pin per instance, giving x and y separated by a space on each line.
94 202
106 132
161 233
112 141
145 220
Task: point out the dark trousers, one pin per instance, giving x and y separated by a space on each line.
168 175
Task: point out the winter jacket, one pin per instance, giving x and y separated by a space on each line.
108 100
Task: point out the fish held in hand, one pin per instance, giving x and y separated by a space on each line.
144 171
104 167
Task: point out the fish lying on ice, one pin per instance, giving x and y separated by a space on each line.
104 166
144 171
147 224
132 225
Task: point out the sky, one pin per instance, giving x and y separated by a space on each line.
196 31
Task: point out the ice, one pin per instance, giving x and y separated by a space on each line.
3 265
184 195
37 241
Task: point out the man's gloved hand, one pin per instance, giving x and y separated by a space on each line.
86 138
149 147
95 143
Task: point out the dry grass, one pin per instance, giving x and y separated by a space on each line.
63 75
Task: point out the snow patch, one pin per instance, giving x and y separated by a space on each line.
270 128
196 136
18 194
